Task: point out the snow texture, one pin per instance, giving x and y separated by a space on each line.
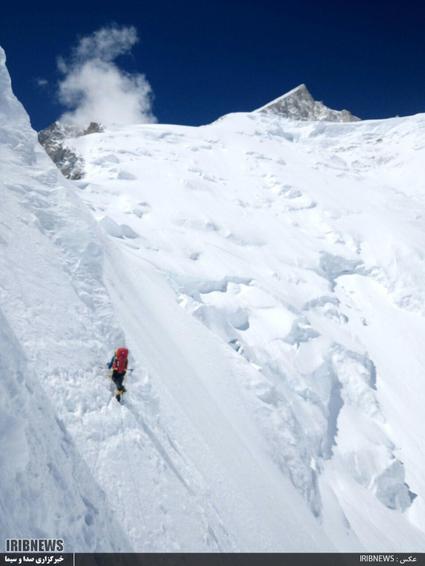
47 488
267 277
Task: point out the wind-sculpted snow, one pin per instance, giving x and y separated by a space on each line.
11 111
47 490
276 236
50 287
168 482
267 278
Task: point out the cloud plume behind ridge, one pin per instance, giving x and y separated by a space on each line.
94 88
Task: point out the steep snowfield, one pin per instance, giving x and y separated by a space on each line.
178 473
266 275
46 311
298 250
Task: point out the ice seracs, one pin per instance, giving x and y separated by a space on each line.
298 104
267 275
284 253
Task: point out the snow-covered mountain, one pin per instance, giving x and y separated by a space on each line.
267 276
298 104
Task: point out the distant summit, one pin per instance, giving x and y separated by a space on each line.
298 104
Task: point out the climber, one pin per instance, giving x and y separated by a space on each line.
119 364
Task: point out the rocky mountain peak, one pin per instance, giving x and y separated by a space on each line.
299 104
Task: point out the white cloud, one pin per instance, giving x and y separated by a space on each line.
106 43
42 83
95 89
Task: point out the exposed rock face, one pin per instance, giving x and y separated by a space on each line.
298 104
53 139
93 128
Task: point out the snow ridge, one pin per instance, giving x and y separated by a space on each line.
47 488
267 276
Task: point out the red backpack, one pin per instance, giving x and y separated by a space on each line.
121 360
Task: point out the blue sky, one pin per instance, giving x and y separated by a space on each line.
205 59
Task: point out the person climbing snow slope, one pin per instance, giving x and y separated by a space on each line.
119 364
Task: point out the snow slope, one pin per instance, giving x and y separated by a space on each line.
56 305
298 246
170 480
266 275
46 488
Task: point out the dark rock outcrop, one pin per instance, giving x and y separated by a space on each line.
53 139
298 104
